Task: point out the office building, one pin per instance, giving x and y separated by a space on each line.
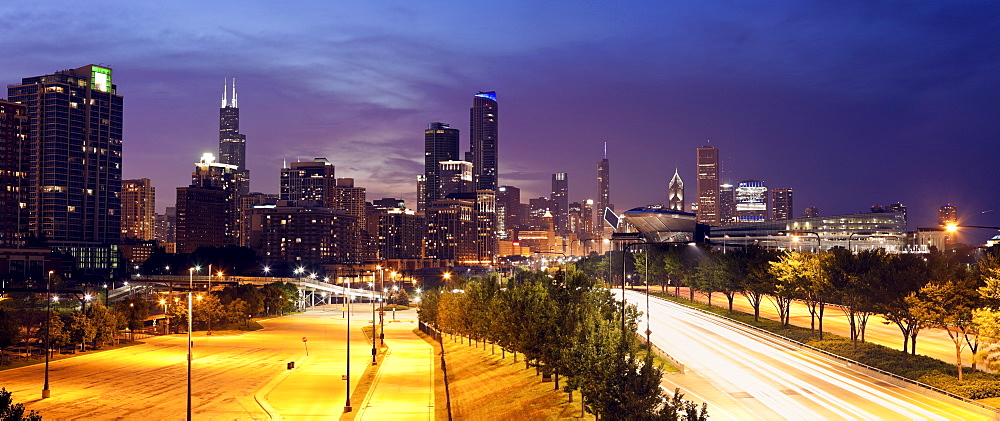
76 163
508 212
727 204
486 217
15 153
232 143
675 193
560 199
897 207
708 185
603 191
781 204
347 197
810 212
441 143
483 148
166 225
311 180
246 205
138 209
751 202
456 177
581 218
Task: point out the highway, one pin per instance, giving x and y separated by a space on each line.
744 374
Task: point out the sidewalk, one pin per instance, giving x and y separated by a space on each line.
404 386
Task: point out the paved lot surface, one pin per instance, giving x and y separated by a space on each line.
148 381
404 387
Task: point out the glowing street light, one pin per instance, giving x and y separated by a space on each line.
48 321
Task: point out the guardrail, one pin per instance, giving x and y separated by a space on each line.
875 372
436 335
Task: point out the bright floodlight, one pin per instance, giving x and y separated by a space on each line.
162 301
952 227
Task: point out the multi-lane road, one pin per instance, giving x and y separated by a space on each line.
745 374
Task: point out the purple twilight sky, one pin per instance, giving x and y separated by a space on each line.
850 103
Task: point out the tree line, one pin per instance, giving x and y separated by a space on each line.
566 324
911 291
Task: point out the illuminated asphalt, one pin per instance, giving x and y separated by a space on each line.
148 381
743 374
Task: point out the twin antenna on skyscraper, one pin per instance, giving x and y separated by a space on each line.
225 91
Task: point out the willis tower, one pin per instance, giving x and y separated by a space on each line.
232 143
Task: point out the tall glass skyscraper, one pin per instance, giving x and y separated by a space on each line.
560 195
76 162
440 144
708 185
232 143
483 140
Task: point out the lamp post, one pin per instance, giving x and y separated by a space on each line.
166 315
372 298
190 326
347 403
624 272
48 330
819 244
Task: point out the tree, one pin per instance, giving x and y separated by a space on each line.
987 318
80 329
105 324
900 280
752 262
10 333
852 276
947 302
134 309
10 411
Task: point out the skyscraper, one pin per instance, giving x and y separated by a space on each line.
351 199
708 185
508 211
947 214
440 144
312 180
232 143
675 193
751 202
76 162
14 158
781 204
456 177
727 204
483 140
560 197
897 207
603 189
207 210
138 206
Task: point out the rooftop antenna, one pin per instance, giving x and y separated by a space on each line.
234 94
225 88
605 150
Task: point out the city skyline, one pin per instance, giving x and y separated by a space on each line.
891 87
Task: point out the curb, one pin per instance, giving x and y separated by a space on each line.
261 395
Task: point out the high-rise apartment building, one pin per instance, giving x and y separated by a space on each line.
486 217
560 198
400 234
727 204
508 212
456 177
675 193
483 127
347 197
76 163
781 204
246 205
138 209
15 153
312 180
207 210
301 233
947 214
232 143
166 226
751 202
810 212
452 230
441 143
581 218
708 185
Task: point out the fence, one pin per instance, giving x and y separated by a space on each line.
436 335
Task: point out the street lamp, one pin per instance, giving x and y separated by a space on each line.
190 326
819 245
48 330
166 315
371 285
267 270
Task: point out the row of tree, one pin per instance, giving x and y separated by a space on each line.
567 324
93 325
911 291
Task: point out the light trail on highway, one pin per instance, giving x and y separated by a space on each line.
746 374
